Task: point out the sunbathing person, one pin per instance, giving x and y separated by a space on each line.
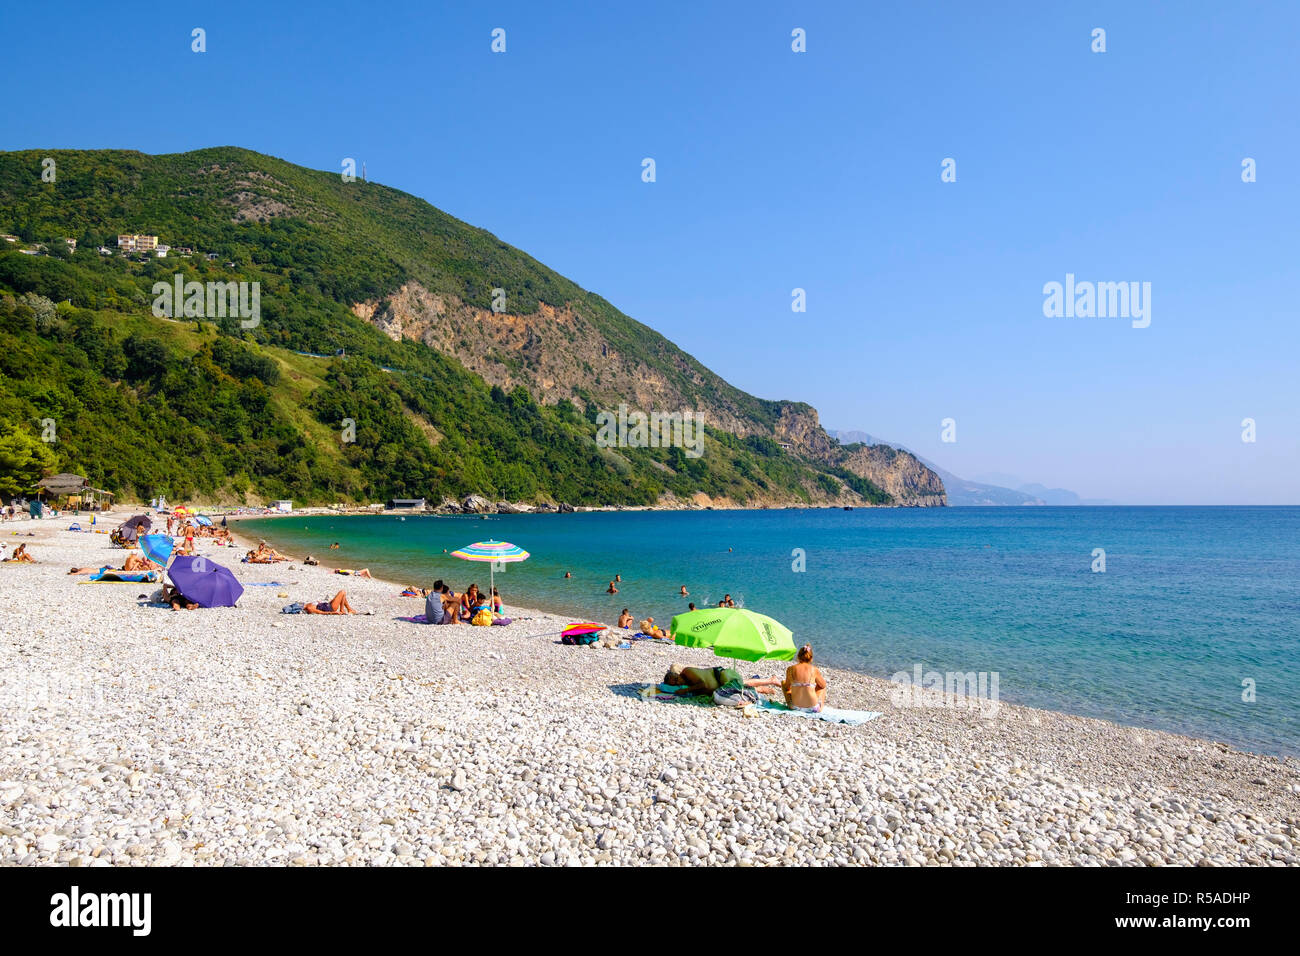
695 681
625 619
264 555
20 554
138 562
804 686
363 573
336 605
178 601
648 626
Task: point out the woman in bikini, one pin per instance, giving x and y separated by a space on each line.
469 601
804 686
336 605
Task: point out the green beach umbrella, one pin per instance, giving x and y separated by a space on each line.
734 632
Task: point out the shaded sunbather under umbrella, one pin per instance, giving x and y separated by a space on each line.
205 582
491 551
734 632
139 521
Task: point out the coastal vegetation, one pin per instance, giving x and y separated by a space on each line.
312 402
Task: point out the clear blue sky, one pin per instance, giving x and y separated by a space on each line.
818 170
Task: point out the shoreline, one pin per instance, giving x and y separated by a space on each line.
260 716
556 608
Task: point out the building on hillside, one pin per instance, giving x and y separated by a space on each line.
212 257
72 244
105 251
162 251
9 238
137 243
405 504
184 251
285 506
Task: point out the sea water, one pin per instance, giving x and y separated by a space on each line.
1193 626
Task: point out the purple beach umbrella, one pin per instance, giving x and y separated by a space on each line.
205 582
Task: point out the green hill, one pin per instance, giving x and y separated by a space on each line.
204 408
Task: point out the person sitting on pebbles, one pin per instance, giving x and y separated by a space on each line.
625 619
804 686
20 555
695 681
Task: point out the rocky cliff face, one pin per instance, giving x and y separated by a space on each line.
554 352
557 354
910 482
899 473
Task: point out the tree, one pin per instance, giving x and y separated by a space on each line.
24 460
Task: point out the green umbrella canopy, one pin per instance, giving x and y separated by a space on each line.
734 632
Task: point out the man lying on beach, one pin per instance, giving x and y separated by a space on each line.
363 573
695 681
336 605
178 601
133 563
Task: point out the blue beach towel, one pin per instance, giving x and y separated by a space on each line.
134 577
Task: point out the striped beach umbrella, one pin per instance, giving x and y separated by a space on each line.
492 552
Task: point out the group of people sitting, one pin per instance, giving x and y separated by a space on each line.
133 563
444 606
804 687
648 627
264 554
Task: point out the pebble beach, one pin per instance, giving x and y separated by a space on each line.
131 734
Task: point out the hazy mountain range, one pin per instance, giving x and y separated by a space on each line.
989 489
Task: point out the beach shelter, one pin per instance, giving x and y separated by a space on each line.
492 552
204 520
205 582
734 632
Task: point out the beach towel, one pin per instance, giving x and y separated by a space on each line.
831 715
415 619
134 577
263 584
664 693
295 608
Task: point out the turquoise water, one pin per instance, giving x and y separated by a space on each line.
1192 601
